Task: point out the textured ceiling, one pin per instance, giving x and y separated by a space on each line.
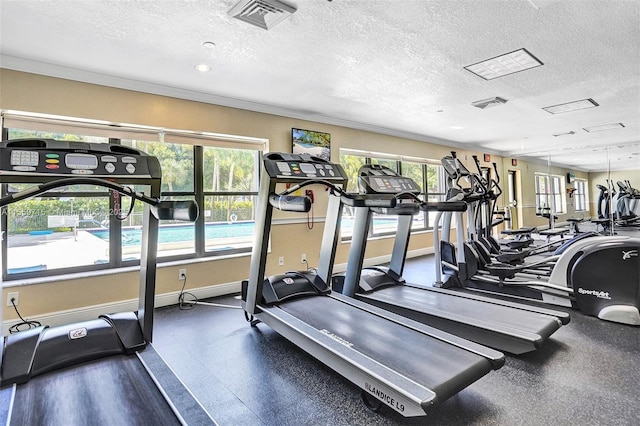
390 66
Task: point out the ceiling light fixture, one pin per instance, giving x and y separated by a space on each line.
571 106
602 127
209 45
488 103
509 63
565 134
265 14
203 68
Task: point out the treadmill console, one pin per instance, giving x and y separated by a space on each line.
377 179
48 157
284 165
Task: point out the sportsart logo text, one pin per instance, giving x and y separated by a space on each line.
596 293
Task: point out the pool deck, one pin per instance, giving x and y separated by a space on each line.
61 250
56 250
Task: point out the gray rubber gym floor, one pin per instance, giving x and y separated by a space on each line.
587 374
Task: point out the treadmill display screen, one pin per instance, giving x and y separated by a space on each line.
81 161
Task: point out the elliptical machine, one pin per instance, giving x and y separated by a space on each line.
578 277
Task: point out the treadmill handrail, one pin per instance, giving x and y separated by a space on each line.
348 199
45 187
162 209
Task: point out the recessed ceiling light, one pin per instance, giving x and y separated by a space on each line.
203 67
602 127
509 63
571 106
209 45
456 127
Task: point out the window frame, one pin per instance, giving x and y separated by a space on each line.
197 140
553 197
581 195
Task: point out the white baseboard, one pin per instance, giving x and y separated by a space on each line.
91 312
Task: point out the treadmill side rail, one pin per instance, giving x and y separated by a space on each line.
368 355
396 391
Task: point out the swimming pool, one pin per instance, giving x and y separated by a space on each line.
212 231
178 233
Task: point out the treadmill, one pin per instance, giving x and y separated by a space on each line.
503 325
398 363
101 371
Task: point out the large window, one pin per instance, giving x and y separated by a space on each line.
550 194
432 182
581 195
70 229
429 177
230 188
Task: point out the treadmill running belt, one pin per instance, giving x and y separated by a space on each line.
440 366
492 315
109 391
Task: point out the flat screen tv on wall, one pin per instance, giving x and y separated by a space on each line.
311 142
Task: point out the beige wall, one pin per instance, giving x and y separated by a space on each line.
46 95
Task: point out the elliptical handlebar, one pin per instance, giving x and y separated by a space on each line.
495 183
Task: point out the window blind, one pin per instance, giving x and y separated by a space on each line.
86 127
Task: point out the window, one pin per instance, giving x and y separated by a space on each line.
230 189
429 177
550 194
431 180
70 229
581 195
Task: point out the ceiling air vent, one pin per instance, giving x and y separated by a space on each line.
265 14
488 103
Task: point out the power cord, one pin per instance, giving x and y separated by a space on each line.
309 268
19 327
310 218
186 304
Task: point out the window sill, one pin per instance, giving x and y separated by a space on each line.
114 271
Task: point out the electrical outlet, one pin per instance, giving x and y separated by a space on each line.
281 261
303 258
13 295
182 274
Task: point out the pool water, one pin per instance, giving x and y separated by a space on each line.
177 233
212 231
